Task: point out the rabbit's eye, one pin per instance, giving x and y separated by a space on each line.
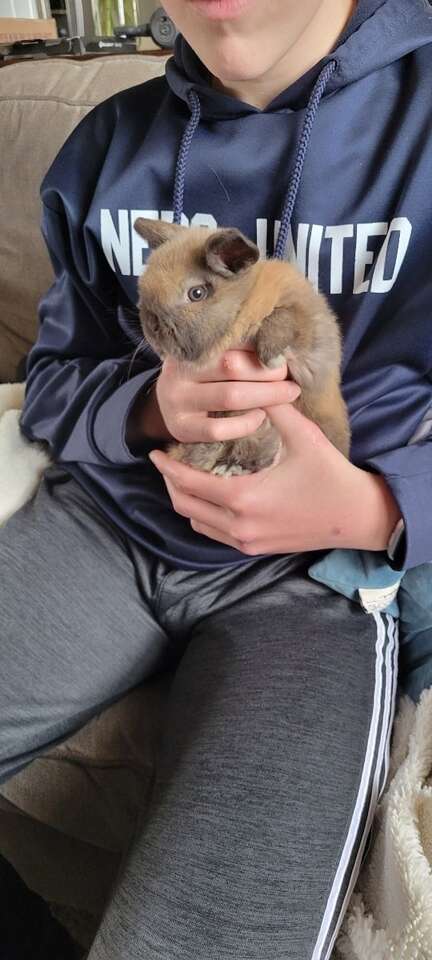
197 293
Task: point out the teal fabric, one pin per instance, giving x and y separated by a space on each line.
415 605
349 571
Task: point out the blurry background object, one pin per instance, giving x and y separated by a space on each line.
161 29
108 14
87 27
29 28
102 18
25 9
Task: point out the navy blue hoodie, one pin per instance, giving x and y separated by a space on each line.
344 159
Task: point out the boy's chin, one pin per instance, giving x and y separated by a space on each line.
229 66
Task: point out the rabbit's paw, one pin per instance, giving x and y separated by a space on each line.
229 470
274 362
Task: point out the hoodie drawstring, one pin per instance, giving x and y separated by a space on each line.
295 179
305 136
180 173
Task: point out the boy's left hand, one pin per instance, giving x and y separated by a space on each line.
312 499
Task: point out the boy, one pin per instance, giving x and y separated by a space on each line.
307 126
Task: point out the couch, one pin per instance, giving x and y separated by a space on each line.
66 820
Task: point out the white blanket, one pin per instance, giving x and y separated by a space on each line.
21 463
390 915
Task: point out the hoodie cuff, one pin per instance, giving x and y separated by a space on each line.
110 422
413 495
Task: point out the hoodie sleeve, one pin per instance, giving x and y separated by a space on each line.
81 382
408 472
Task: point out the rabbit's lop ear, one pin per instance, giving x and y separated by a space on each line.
229 252
157 232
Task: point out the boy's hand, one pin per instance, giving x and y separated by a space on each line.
178 406
313 499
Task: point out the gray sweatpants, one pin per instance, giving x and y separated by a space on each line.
275 741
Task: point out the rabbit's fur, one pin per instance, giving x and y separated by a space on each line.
266 303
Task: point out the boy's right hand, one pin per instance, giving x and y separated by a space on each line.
180 402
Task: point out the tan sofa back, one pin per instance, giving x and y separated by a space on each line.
41 102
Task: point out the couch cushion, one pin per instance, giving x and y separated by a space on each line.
41 101
67 818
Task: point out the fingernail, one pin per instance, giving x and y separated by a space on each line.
295 391
164 469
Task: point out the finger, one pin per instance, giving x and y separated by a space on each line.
237 365
219 490
293 427
214 534
198 428
235 395
193 508
255 548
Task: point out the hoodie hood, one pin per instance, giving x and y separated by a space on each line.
380 32
376 26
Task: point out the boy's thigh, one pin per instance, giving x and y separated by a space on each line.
298 709
75 631
274 752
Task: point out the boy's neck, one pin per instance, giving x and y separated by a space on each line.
317 40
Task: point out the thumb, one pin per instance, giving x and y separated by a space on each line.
289 422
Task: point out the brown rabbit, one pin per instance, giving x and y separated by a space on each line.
205 291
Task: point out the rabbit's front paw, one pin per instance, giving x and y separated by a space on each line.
274 362
229 470
306 335
276 338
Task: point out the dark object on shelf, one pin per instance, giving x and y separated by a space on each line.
71 46
28 931
108 45
161 29
41 48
